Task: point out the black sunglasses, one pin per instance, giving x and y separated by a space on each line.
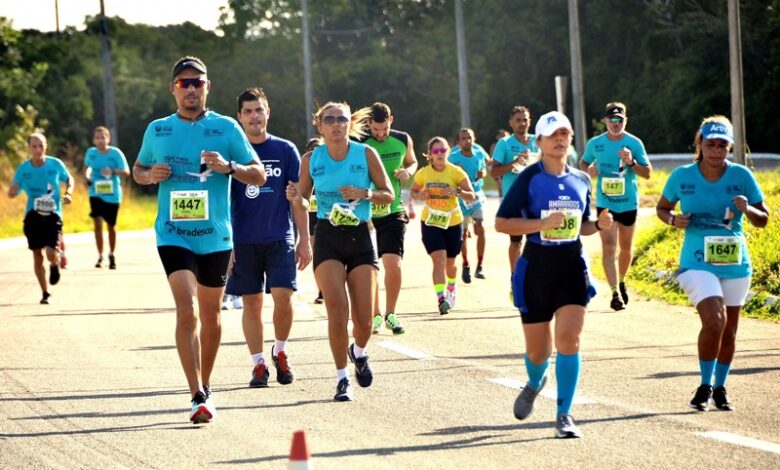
188 82
330 120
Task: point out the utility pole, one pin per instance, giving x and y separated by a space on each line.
57 15
735 69
109 110
561 90
578 92
463 79
307 70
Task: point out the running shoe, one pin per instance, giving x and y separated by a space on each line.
319 299
478 273
99 262
392 324
203 410
450 295
623 292
111 262
616 303
721 399
284 373
466 276
565 428
54 274
259 376
343 390
524 404
444 306
238 302
701 399
225 303
45 298
377 323
363 372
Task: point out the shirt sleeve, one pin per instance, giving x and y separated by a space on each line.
64 173
145 156
241 150
640 154
588 156
753 191
670 187
294 168
122 160
499 151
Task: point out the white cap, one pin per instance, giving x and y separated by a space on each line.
548 123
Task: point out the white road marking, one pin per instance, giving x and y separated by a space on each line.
401 349
546 393
741 441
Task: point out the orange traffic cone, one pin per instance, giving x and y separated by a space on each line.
300 457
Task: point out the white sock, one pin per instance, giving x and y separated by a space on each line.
258 358
279 346
341 374
359 352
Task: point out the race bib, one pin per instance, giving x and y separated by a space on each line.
343 215
189 205
438 219
570 229
722 250
313 203
104 186
44 205
613 186
380 210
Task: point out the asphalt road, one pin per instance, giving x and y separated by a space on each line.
93 380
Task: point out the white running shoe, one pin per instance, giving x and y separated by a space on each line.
238 302
450 296
225 302
203 410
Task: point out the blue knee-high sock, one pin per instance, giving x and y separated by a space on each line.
721 373
536 371
567 373
707 368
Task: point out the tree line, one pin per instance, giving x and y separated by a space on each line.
666 59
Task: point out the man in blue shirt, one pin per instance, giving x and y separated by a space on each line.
40 178
106 165
617 158
191 155
264 250
510 156
472 158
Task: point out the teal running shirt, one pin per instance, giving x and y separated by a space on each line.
506 150
328 175
42 185
108 189
193 208
616 191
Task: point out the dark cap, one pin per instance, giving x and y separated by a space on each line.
188 62
615 109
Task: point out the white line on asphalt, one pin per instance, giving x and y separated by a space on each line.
741 440
547 393
401 349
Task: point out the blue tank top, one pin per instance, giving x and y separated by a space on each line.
328 175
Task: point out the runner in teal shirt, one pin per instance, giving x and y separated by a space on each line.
40 178
106 165
191 155
617 158
715 198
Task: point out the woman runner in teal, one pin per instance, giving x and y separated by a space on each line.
345 261
714 196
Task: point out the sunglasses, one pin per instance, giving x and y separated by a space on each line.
438 151
188 82
616 120
330 120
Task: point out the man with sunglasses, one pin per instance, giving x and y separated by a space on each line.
264 250
191 154
396 150
617 157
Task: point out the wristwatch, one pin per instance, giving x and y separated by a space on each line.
633 162
233 167
369 193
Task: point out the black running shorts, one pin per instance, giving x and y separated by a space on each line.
627 218
390 233
42 230
100 208
210 269
350 246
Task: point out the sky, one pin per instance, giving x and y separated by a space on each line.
40 14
